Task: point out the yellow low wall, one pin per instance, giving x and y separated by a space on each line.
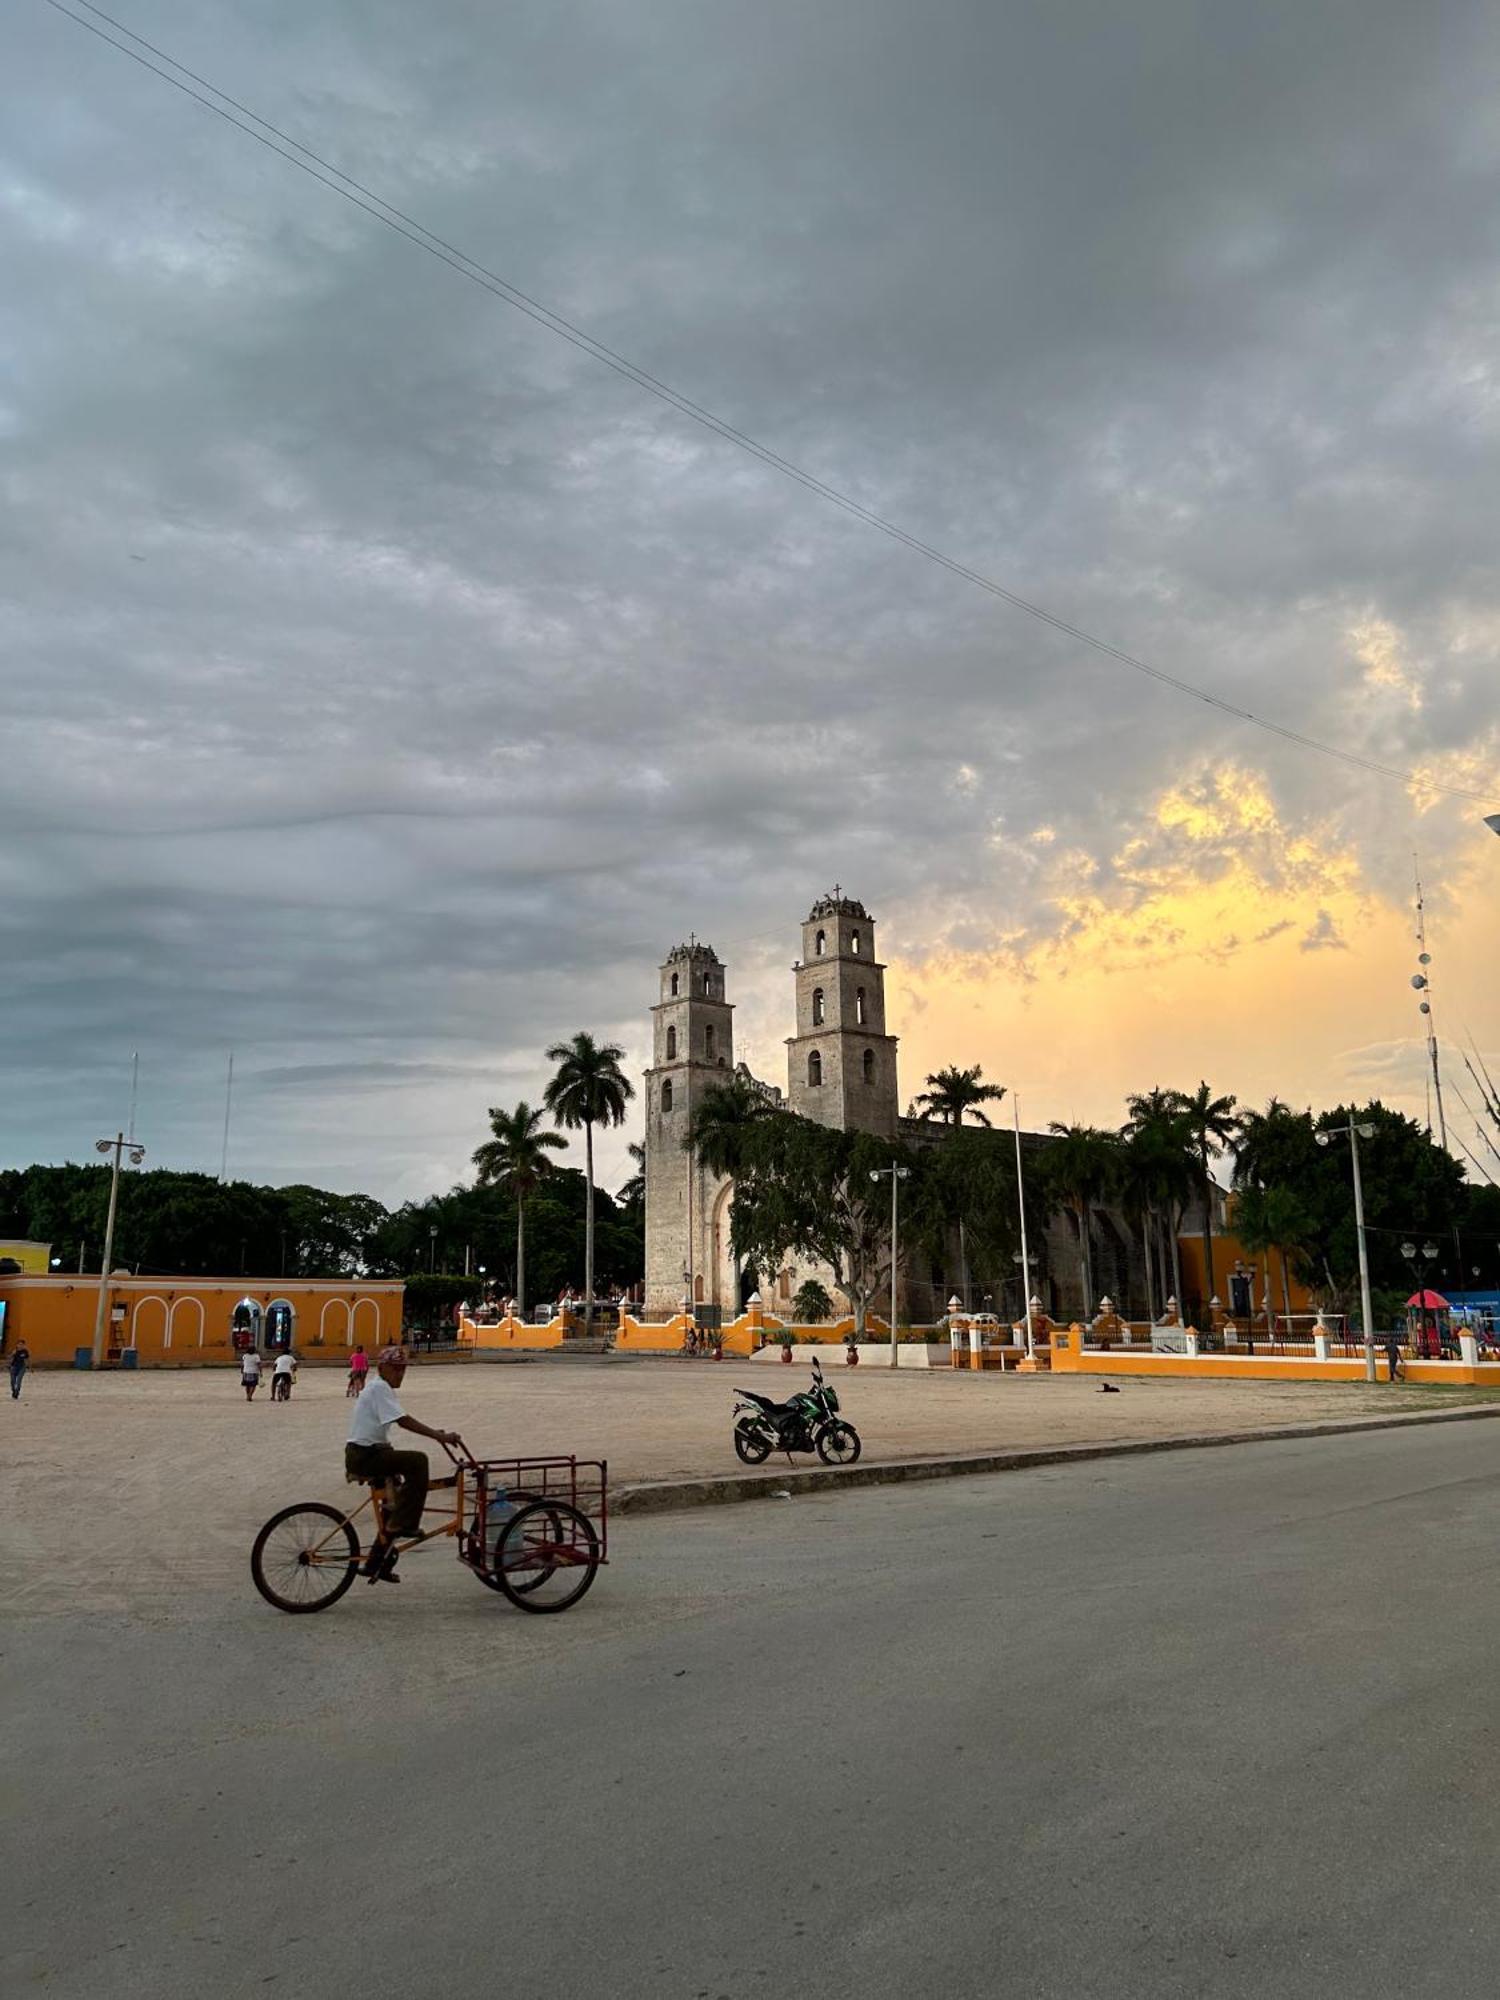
631 1336
1070 1356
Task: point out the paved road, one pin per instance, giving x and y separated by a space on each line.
1213 1723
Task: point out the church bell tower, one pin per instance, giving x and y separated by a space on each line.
841 1063
692 1051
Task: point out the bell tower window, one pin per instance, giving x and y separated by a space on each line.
817 1006
854 942
815 1071
666 1095
674 985
671 1045
708 1043
859 1006
820 944
869 1065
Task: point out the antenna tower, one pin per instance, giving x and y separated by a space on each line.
1422 983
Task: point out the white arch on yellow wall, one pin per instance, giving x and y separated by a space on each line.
137 1317
181 1305
720 1249
374 1310
333 1305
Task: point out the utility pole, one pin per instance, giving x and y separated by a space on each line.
897 1175
118 1145
1367 1311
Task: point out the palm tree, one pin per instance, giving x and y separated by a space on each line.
515 1160
721 1124
952 1092
632 1193
588 1088
1161 1169
1082 1168
949 1094
1212 1122
1274 1218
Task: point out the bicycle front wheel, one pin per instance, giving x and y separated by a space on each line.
547 1557
305 1557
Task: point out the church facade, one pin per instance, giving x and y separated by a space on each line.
841 1071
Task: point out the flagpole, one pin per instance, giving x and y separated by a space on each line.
1015 1105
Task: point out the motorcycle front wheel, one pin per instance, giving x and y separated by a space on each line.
838 1444
751 1445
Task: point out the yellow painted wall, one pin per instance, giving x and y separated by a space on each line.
34 1258
1228 1250
184 1322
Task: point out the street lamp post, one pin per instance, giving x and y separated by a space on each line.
1421 1263
119 1144
432 1248
1367 1313
897 1175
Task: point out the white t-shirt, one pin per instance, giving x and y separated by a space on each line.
376 1410
286 1364
250 1364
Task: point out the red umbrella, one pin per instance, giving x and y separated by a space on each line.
1429 1301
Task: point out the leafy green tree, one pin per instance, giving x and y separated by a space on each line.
1277 1219
805 1189
588 1088
514 1159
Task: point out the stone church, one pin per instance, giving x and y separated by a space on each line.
841 1071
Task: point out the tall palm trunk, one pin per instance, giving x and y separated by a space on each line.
1210 1288
588 1226
1146 1256
1177 1273
1286 1292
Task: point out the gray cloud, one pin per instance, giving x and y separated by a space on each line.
1322 935
388 685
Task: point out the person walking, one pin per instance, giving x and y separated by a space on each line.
1393 1353
283 1375
250 1372
20 1361
370 1456
359 1369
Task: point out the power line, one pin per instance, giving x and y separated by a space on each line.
383 211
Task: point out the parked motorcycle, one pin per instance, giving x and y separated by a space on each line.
807 1422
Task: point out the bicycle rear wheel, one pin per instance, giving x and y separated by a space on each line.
305 1557
547 1557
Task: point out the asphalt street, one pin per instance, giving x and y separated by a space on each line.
1206 1723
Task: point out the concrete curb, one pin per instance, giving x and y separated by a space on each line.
669 1495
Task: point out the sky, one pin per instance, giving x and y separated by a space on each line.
389 685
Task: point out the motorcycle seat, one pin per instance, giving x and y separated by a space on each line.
766 1403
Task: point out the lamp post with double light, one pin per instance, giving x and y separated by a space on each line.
118 1145
1421 1262
897 1175
1367 1312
